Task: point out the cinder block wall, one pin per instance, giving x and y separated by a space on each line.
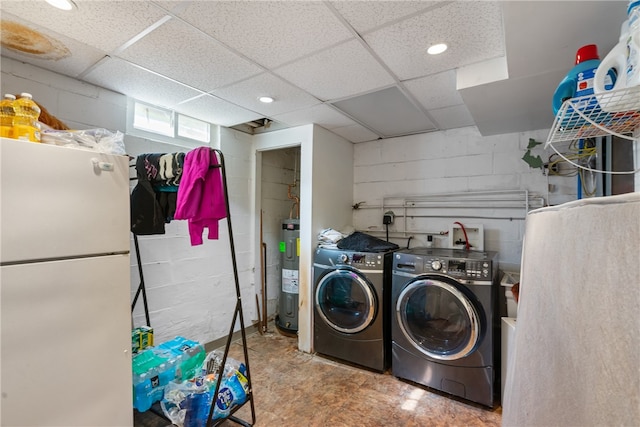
453 161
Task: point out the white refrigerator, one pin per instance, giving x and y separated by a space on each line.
65 315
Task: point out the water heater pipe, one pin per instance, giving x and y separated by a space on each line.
263 268
296 199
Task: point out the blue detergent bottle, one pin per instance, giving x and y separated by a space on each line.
579 81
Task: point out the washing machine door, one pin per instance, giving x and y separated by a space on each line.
438 318
345 301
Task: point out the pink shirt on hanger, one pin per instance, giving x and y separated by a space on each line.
201 194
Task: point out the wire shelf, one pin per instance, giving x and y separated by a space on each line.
615 112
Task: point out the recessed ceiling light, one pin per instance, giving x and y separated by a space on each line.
266 99
437 49
62 4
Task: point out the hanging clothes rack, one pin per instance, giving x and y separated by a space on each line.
141 287
238 315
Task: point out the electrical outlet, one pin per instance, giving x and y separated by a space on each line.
387 218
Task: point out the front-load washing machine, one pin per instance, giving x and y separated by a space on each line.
351 306
443 321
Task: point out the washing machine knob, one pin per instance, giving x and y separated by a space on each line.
436 265
343 257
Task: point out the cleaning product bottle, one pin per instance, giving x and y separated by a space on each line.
623 60
7 114
25 122
633 44
579 81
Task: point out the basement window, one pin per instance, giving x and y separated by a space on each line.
191 128
147 120
153 119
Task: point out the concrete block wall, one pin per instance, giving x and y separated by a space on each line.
278 169
453 161
79 105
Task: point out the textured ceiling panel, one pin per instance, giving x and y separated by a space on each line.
472 30
206 65
271 33
45 48
453 117
246 93
305 53
320 114
337 72
122 77
435 91
215 110
355 133
366 15
105 25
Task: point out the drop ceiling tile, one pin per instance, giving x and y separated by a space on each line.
388 112
104 25
287 97
472 29
453 117
56 52
435 91
355 133
205 65
215 110
175 6
365 15
320 114
120 76
341 71
269 32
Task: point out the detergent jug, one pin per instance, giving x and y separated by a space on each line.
624 60
579 81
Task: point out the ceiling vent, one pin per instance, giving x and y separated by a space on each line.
259 126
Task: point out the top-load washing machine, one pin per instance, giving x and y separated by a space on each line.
444 321
351 306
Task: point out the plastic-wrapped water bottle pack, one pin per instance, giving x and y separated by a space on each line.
188 403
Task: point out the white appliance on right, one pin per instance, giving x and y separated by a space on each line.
575 358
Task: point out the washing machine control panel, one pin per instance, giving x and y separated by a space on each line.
361 259
461 268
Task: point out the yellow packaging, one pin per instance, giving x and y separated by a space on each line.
25 122
141 338
7 114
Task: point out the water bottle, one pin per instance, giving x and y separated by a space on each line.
197 407
191 355
7 114
233 392
25 122
142 399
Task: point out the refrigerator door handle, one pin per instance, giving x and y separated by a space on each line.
105 166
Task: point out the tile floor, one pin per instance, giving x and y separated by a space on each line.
293 388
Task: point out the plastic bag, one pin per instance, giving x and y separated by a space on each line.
99 139
187 404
